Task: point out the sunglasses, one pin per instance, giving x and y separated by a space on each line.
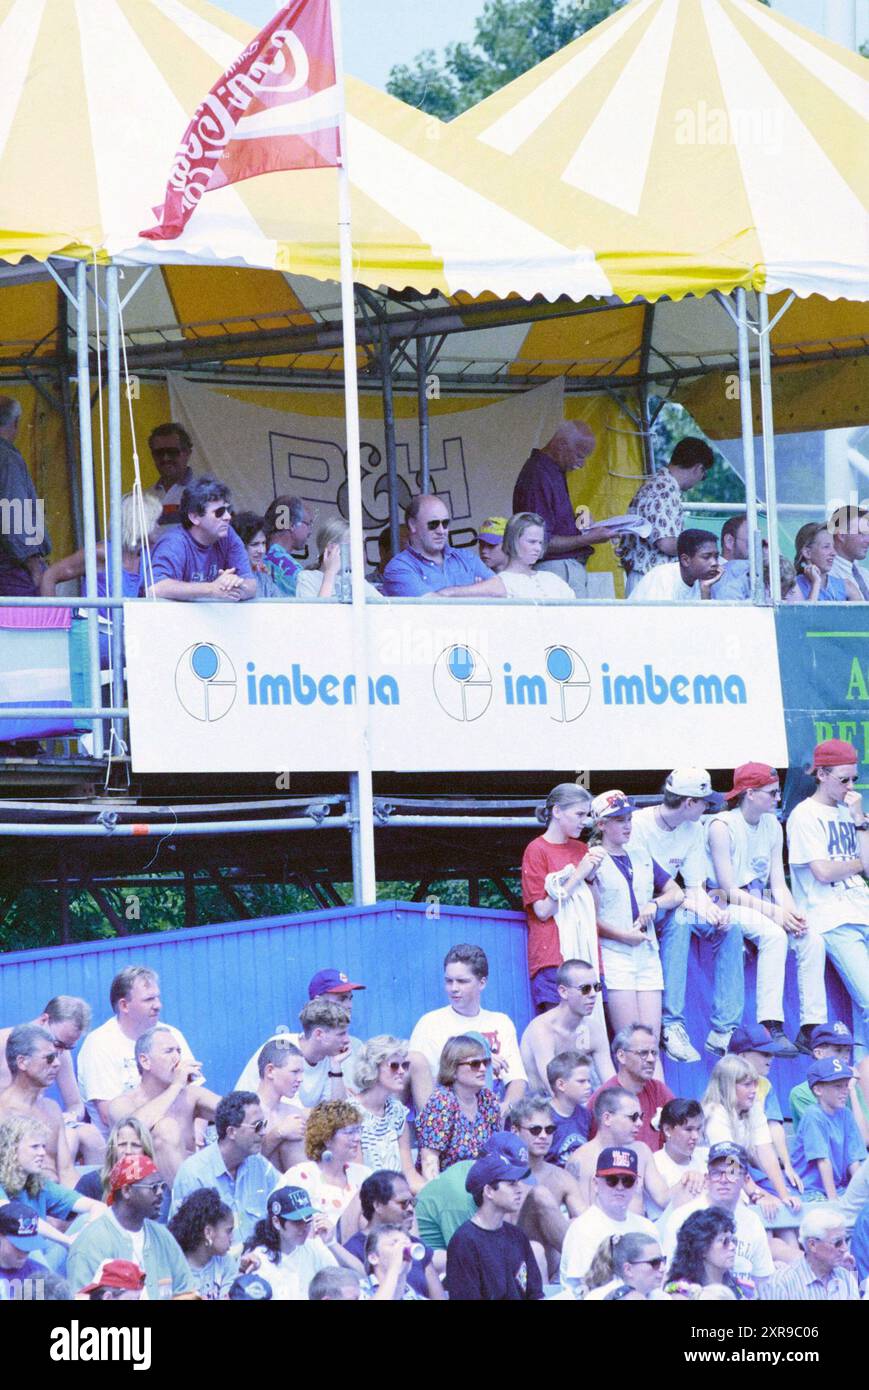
476 1063
152 1187
398 1066
438 524
634 1117
619 1180
537 1130
844 779
222 511
588 989
257 1126
655 1263
168 452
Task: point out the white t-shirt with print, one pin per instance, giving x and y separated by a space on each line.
291 1276
316 1082
825 832
753 1256
435 1028
585 1233
680 851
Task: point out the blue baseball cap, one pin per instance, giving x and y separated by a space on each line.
18 1225
331 982
828 1069
250 1286
728 1150
835 1033
290 1204
505 1160
753 1037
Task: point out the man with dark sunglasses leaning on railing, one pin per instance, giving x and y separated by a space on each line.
428 562
202 558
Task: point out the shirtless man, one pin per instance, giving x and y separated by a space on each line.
564 1028
168 1098
554 1189
66 1019
281 1068
34 1062
618 1119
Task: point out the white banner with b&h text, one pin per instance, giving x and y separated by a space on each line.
259 687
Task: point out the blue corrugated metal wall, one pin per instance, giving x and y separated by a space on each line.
227 986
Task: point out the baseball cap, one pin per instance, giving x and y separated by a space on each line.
117 1274
251 1286
290 1204
132 1168
502 1162
753 1037
612 1161
834 752
18 1223
694 781
610 804
749 777
331 982
835 1033
828 1069
492 530
718 1153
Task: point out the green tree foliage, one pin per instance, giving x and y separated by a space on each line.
510 37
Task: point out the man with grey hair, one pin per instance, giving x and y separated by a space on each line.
826 1270
541 487
168 1099
23 538
67 1019
287 523
33 1062
107 1061
635 1055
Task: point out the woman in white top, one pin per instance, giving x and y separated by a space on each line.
525 544
734 1113
631 888
682 1160
333 1175
321 579
380 1074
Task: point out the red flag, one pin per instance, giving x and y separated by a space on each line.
275 108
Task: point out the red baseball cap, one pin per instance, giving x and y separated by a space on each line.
117 1274
835 752
749 777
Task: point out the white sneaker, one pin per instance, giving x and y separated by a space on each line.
677 1044
716 1043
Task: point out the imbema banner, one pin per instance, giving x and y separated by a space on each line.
470 687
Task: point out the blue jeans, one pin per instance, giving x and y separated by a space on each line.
848 948
728 981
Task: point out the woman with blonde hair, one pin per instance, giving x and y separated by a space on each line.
461 1114
23 1159
814 556
319 579
380 1077
524 544
734 1115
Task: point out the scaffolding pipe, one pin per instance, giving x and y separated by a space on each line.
116 583
747 424
449 822
422 414
768 433
143 830
389 435
89 526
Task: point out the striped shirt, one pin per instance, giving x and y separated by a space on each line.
798 1282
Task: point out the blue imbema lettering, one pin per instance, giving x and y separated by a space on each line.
300 688
654 689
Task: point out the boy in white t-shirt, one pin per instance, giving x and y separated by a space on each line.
466 971
745 852
828 845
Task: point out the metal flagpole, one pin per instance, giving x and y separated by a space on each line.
113 375
362 797
87 493
769 447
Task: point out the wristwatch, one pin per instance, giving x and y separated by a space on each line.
336 1074
862 825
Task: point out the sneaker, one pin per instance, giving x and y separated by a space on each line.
803 1040
783 1045
677 1044
716 1043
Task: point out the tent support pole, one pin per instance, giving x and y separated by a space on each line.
87 495
113 374
746 416
63 376
422 413
645 419
768 435
389 435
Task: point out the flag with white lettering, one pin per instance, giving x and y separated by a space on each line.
275 108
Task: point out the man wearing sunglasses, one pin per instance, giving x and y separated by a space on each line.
635 1054
616 1177
171 448
828 844
234 1165
618 1120
67 1019
202 558
129 1230
564 1028
553 1190
386 1200
826 1270
33 1060
429 563
726 1177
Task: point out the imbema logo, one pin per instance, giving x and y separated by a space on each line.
462 683
205 682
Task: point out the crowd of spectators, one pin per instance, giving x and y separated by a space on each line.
474 1161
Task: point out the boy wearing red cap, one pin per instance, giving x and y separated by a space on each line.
745 847
828 843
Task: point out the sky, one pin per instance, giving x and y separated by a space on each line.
380 33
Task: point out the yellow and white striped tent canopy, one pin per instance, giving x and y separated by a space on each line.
95 96
693 145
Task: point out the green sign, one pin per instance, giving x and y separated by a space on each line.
823 651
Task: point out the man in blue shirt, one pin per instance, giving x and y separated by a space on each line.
203 558
234 1165
429 563
828 1148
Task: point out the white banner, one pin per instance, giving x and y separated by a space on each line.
466 687
475 455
